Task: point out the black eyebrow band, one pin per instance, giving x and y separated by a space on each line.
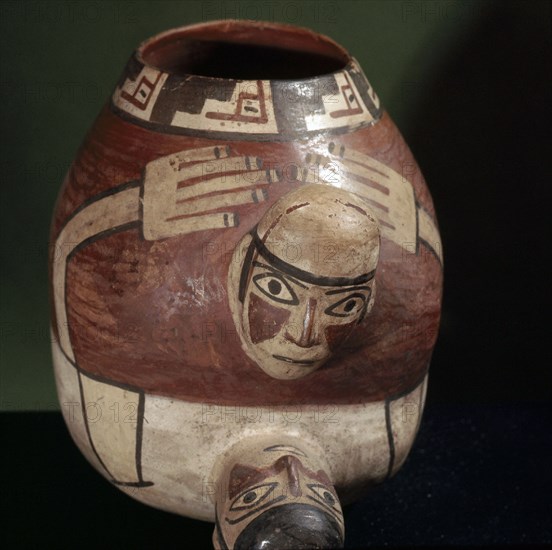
352 289
289 269
279 273
244 276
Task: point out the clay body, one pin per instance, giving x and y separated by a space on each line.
245 257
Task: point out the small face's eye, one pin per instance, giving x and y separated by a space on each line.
276 287
323 494
252 496
349 306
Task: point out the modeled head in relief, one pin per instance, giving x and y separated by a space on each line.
278 499
303 278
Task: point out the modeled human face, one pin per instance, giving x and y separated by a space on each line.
275 492
294 325
293 312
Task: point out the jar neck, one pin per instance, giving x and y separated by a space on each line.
157 91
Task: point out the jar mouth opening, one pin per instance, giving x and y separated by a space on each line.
244 50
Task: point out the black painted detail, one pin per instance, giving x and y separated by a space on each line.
305 276
291 526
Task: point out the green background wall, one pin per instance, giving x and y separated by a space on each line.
59 63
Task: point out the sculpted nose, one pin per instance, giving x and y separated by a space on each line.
291 465
309 335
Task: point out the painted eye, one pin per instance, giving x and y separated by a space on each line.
348 306
276 288
323 494
252 496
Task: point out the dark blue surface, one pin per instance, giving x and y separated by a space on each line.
477 475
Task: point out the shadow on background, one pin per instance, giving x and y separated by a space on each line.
482 137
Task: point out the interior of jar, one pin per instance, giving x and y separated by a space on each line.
244 50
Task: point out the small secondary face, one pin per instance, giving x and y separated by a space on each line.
294 313
268 500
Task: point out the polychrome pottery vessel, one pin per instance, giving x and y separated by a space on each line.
246 279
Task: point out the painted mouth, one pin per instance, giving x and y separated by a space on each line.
305 362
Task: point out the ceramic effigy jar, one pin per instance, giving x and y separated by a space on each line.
246 279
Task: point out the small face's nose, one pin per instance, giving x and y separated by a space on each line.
309 335
291 465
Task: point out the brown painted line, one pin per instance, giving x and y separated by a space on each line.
232 117
219 166
241 195
359 163
390 226
377 204
299 133
253 187
221 183
368 182
219 210
349 172
259 96
346 112
349 96
359 158
190 182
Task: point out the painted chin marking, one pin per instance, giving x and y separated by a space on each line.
305 362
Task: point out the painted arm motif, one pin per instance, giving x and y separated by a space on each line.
189 191
402 219
194 190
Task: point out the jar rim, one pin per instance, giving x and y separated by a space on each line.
162 51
